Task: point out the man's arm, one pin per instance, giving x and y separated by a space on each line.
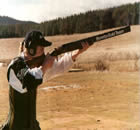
48 63
53 67
85 47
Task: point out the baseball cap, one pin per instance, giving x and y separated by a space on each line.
35 38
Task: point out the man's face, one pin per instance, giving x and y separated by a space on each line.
39 51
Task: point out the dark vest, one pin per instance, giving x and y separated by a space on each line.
22 110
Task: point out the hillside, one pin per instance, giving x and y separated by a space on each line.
5 20
90 21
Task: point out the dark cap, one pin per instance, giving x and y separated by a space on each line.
35 38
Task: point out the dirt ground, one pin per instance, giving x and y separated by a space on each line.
88 100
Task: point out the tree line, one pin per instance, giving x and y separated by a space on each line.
93 20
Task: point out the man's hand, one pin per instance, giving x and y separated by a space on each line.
85 46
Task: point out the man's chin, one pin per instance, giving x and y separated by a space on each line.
38 55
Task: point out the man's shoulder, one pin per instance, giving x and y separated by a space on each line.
17 63
16 60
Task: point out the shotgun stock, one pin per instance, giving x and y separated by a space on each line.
90 40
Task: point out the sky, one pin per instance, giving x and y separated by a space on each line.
43 10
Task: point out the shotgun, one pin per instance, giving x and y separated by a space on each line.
67 47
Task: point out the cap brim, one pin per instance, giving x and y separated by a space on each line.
45 43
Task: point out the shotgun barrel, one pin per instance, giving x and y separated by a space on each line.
67 47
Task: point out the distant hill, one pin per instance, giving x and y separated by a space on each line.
5 20
90 21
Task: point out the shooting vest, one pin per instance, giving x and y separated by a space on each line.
22 110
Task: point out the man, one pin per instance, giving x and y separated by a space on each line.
25 74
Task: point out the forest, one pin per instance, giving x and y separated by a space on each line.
90 21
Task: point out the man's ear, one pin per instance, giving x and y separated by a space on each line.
32 51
